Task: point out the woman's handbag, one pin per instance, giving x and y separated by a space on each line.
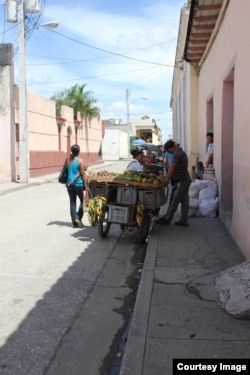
63 176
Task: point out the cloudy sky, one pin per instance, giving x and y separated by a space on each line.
111 46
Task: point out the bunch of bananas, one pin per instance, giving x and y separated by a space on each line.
139 213
95 208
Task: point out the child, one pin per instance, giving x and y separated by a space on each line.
197 173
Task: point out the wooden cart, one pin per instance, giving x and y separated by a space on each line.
128 204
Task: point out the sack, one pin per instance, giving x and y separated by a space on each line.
63 176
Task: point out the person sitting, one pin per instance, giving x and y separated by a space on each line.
136 165
197 172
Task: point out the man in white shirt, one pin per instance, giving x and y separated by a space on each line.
210 150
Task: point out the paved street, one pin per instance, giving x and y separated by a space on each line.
62 289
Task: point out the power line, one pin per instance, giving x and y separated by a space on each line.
109 52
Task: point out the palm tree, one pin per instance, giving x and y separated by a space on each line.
78 99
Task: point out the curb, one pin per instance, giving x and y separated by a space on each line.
10 187
133 358
15 186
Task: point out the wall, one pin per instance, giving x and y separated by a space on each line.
229 86
115 144
46 153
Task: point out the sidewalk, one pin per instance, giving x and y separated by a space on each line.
177 312
9 187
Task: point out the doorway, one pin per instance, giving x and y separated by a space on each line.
227 151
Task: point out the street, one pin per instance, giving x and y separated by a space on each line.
64 291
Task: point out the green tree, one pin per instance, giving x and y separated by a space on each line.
78 99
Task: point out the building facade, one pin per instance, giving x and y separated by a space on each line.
216 51
49 137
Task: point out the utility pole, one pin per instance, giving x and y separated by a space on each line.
128 115
23 126
128 120
16 10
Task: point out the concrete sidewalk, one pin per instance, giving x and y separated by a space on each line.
177 312
9 187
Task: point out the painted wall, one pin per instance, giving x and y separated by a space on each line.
225 82
46 153
49 138
115 144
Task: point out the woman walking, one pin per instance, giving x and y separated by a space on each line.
76 185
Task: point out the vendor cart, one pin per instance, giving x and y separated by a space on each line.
126 203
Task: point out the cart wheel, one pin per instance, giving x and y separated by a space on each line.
103 226
143 229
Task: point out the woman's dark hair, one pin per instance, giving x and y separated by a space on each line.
136 152
75 150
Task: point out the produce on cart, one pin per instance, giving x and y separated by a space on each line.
127 199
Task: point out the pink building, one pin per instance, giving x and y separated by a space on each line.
49 137
214 78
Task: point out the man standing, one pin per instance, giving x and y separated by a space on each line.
210 150
180 180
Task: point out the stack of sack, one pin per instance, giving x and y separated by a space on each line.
203 198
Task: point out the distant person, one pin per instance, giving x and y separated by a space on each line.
136 165
210 150
198 171
180 180
76 185
167 160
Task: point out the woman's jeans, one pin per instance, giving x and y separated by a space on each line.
74 192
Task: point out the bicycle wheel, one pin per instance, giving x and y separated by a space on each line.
103 225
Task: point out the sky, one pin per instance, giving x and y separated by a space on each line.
114 47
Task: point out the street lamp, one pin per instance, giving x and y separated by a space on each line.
128 116
23 126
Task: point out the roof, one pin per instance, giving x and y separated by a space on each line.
204 18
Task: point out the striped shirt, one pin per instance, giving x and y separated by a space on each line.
181 164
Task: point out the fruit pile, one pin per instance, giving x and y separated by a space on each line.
146 178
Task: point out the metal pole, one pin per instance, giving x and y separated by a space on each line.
23 126
128 120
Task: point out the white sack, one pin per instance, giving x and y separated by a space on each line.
209 192
208 207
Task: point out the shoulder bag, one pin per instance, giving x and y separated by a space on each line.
63 175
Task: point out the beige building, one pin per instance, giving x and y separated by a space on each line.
148 130
218 59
